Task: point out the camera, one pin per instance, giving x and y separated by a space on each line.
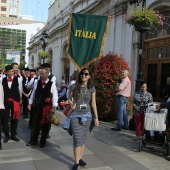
83 106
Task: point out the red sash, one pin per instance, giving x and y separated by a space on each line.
46 111
16 108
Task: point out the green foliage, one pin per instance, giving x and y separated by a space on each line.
106 74
43 54
149 16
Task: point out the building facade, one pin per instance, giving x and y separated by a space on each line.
10 8
121 39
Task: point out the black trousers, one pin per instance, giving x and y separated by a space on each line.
37 126
25 104
2 112
9 108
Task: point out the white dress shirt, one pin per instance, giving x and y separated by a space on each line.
19 82
53 78
53 91
31 82
1 97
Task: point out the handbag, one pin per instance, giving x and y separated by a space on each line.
53 119
68 110
155 121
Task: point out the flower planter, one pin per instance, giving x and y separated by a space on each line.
142 26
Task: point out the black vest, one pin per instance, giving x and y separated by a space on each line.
13 92
42 93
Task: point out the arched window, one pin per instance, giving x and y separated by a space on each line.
160 30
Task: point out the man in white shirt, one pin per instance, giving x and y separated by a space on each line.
44 97
12 98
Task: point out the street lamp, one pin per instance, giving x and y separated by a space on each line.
139 73
23 54
43 41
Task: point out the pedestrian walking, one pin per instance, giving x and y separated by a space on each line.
83 92
44 97
124 91
140 102
12 97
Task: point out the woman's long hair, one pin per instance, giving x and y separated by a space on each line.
78 83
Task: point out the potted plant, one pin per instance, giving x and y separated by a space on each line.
43 54
144 19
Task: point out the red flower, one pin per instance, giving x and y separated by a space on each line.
106 73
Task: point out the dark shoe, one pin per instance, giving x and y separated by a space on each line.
5 139
15 138
82 163
124 128
116 129
168 157
75 167
0 147
25 117
31 144
48 137
42 145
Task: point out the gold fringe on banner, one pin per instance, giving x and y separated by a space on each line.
101 48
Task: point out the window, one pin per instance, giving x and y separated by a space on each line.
3 8
3 1
158 30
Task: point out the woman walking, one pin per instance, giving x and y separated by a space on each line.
140 102
83 94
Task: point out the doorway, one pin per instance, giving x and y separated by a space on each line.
157 66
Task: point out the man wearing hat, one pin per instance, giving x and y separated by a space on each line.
12 97
50 76
44 97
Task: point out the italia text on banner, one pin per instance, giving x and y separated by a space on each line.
86 38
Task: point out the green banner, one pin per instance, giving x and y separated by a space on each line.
86 38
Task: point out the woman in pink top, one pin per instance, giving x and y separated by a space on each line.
2 109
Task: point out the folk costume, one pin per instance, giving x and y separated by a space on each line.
26 80
12 90
44 96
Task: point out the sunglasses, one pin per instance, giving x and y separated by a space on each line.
86 74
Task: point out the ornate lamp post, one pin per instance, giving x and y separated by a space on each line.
139 73
43 41
23 56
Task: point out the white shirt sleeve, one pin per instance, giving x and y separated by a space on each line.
54 94
20 85
30 82
53 79
31 99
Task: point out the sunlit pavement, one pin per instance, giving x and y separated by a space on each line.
105 150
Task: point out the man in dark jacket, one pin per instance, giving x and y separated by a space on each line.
12 97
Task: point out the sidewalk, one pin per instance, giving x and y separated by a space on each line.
105 150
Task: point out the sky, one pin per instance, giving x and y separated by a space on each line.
37 8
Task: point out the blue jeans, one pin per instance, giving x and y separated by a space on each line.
121 110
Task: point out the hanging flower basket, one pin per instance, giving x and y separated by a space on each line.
142 26
43 54
144 19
